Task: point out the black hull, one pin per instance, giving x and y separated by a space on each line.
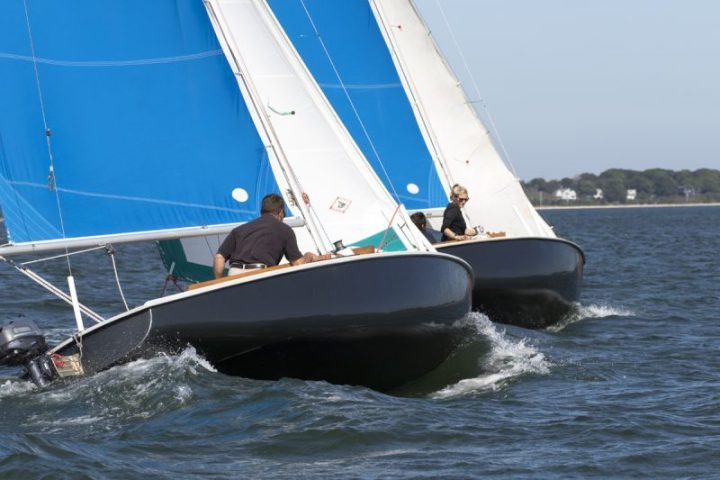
528 282
373 320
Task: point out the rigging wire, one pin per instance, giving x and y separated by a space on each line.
111 252
349 99
52 288
52 181
480 99
29 262
389 227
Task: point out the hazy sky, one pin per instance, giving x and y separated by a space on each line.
582 86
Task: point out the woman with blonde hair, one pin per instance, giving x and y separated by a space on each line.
454 226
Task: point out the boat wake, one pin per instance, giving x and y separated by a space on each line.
507 359
584 312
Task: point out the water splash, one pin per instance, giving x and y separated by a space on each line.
584 312
599 311
109 399
508 359
14 387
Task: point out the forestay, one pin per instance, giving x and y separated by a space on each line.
332 182
120 118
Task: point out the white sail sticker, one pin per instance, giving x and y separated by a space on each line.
340 204
240 195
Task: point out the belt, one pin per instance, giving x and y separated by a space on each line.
248 266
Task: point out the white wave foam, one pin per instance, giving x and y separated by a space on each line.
583 312
188 360
599 311
15 387
144 377
508 359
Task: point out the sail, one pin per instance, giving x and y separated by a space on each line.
460 140
342 46
332 183
406 112
121 117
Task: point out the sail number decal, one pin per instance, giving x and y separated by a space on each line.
340 204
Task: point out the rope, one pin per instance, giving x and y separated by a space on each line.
349 99
389 227
170 278
51 168
111 251
475 86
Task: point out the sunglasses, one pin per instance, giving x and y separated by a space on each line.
463 200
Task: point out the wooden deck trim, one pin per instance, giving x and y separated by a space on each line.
356 251
239 275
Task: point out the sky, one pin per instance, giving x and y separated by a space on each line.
577 86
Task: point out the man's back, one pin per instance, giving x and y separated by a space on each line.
263 240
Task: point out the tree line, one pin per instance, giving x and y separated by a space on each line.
655 185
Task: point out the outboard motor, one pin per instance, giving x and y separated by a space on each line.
23 344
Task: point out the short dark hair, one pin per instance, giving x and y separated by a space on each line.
272 203
418 218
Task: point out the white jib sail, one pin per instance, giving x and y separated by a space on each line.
457 139
331 180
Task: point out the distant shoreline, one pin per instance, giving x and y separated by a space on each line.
643 205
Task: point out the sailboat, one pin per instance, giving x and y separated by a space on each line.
112 136
380 68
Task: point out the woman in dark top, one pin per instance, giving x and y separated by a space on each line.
454 226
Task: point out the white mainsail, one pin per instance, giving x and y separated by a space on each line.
329 180
457 139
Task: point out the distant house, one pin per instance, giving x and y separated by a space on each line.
565 194
687 191
598 194
631 194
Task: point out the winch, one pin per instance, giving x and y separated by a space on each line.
23 344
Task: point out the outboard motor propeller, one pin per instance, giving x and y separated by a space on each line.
23 344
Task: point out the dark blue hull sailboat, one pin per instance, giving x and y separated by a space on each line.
108 137
529 282
332 321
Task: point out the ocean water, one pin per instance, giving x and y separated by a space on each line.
627 387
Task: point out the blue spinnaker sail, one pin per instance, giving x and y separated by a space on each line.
343 48
146 127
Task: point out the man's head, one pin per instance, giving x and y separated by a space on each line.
418 218
273 204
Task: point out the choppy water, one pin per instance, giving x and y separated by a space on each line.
629 387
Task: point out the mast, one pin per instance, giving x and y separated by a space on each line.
277 156
310 145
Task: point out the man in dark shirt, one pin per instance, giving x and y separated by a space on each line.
420 221
263 241
454 226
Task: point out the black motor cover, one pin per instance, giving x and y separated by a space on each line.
20 341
